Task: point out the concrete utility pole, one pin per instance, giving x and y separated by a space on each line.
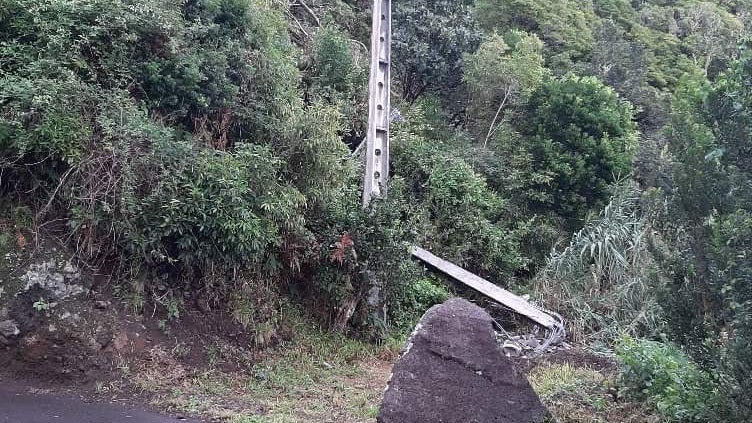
379 106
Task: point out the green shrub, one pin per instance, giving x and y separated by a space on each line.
187 62
665 376
709 224
584 134
566 26
339 76
334 62
128 98
212 207
313 150
45 119
731 249
605 280
467 217
145 195
500 75
413 298
428 55
363 256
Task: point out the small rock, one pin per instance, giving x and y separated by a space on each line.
532 343
102 305
120 341
69 268
46 276
9 329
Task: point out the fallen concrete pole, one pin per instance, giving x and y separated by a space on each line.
502 296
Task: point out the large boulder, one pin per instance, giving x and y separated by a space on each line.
453 371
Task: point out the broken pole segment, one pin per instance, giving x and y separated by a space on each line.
502 296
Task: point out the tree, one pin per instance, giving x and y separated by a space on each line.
623 65
429 40
504 73
710 301
565 26
710 32
583 133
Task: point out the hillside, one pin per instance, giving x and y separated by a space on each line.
189 167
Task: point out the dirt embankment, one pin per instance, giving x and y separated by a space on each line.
63 327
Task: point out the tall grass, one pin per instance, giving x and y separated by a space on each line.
604 282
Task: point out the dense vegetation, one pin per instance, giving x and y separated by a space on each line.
201 150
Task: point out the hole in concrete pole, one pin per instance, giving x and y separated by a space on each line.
377 152
377 175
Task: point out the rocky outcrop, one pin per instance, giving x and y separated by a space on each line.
60 279
453 371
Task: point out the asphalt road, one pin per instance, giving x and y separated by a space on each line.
18 407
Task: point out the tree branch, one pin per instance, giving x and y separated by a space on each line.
496 117
310 12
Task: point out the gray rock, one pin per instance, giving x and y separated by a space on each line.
453 371
102 305
69 268
9 329
532 342
60 285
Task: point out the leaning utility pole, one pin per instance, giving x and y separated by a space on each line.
379 86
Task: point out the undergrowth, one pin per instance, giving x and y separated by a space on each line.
575 393
314 375
605 281
670 381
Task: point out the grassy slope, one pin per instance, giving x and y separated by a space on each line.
314 377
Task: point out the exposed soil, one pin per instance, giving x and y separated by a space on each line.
89 344
76 344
